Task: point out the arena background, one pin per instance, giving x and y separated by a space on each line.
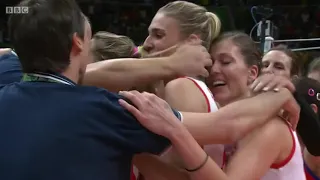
132 17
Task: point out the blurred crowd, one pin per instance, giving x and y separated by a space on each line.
132 18
292 21
93 110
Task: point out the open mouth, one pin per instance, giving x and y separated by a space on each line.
218 83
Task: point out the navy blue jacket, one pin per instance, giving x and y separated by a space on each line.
54 131
10 68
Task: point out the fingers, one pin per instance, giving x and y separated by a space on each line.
132 96
277 84
274 85
169 51
151 99
207 60
155 102
195 42
261 84
254 84
270 82
130 108
148 99
290 86
139 99
205 73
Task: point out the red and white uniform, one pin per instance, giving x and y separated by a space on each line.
292 168
215 151
134 173
309 174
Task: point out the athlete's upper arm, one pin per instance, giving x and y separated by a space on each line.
258 151
182 94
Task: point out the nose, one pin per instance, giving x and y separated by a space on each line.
268 70
215 68
148 45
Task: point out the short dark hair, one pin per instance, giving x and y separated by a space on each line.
42 38
248 48
295 68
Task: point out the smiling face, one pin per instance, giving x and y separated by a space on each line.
277 62
236 60
229 75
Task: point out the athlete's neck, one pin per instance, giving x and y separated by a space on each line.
72 75
234 99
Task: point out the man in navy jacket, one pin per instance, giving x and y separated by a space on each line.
10 67
51 128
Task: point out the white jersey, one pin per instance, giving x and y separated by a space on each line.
212 106
291 168
215 151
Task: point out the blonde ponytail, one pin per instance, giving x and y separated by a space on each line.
215 25
194 19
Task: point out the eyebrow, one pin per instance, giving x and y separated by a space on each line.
225 55
155 30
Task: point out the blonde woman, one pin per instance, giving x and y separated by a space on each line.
106 45
175 23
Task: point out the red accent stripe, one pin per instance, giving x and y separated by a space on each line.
133 176
224 159
286 161
202 91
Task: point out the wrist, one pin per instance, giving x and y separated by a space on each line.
171 67
178 135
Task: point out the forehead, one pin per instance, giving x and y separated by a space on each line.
276 56
226 48
163 23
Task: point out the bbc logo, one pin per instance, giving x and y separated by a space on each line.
16 10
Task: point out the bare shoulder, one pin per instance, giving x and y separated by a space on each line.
183 86
275 130
183 92
275 125
180 83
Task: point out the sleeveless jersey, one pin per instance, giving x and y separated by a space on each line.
215 151
291 168
309 174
